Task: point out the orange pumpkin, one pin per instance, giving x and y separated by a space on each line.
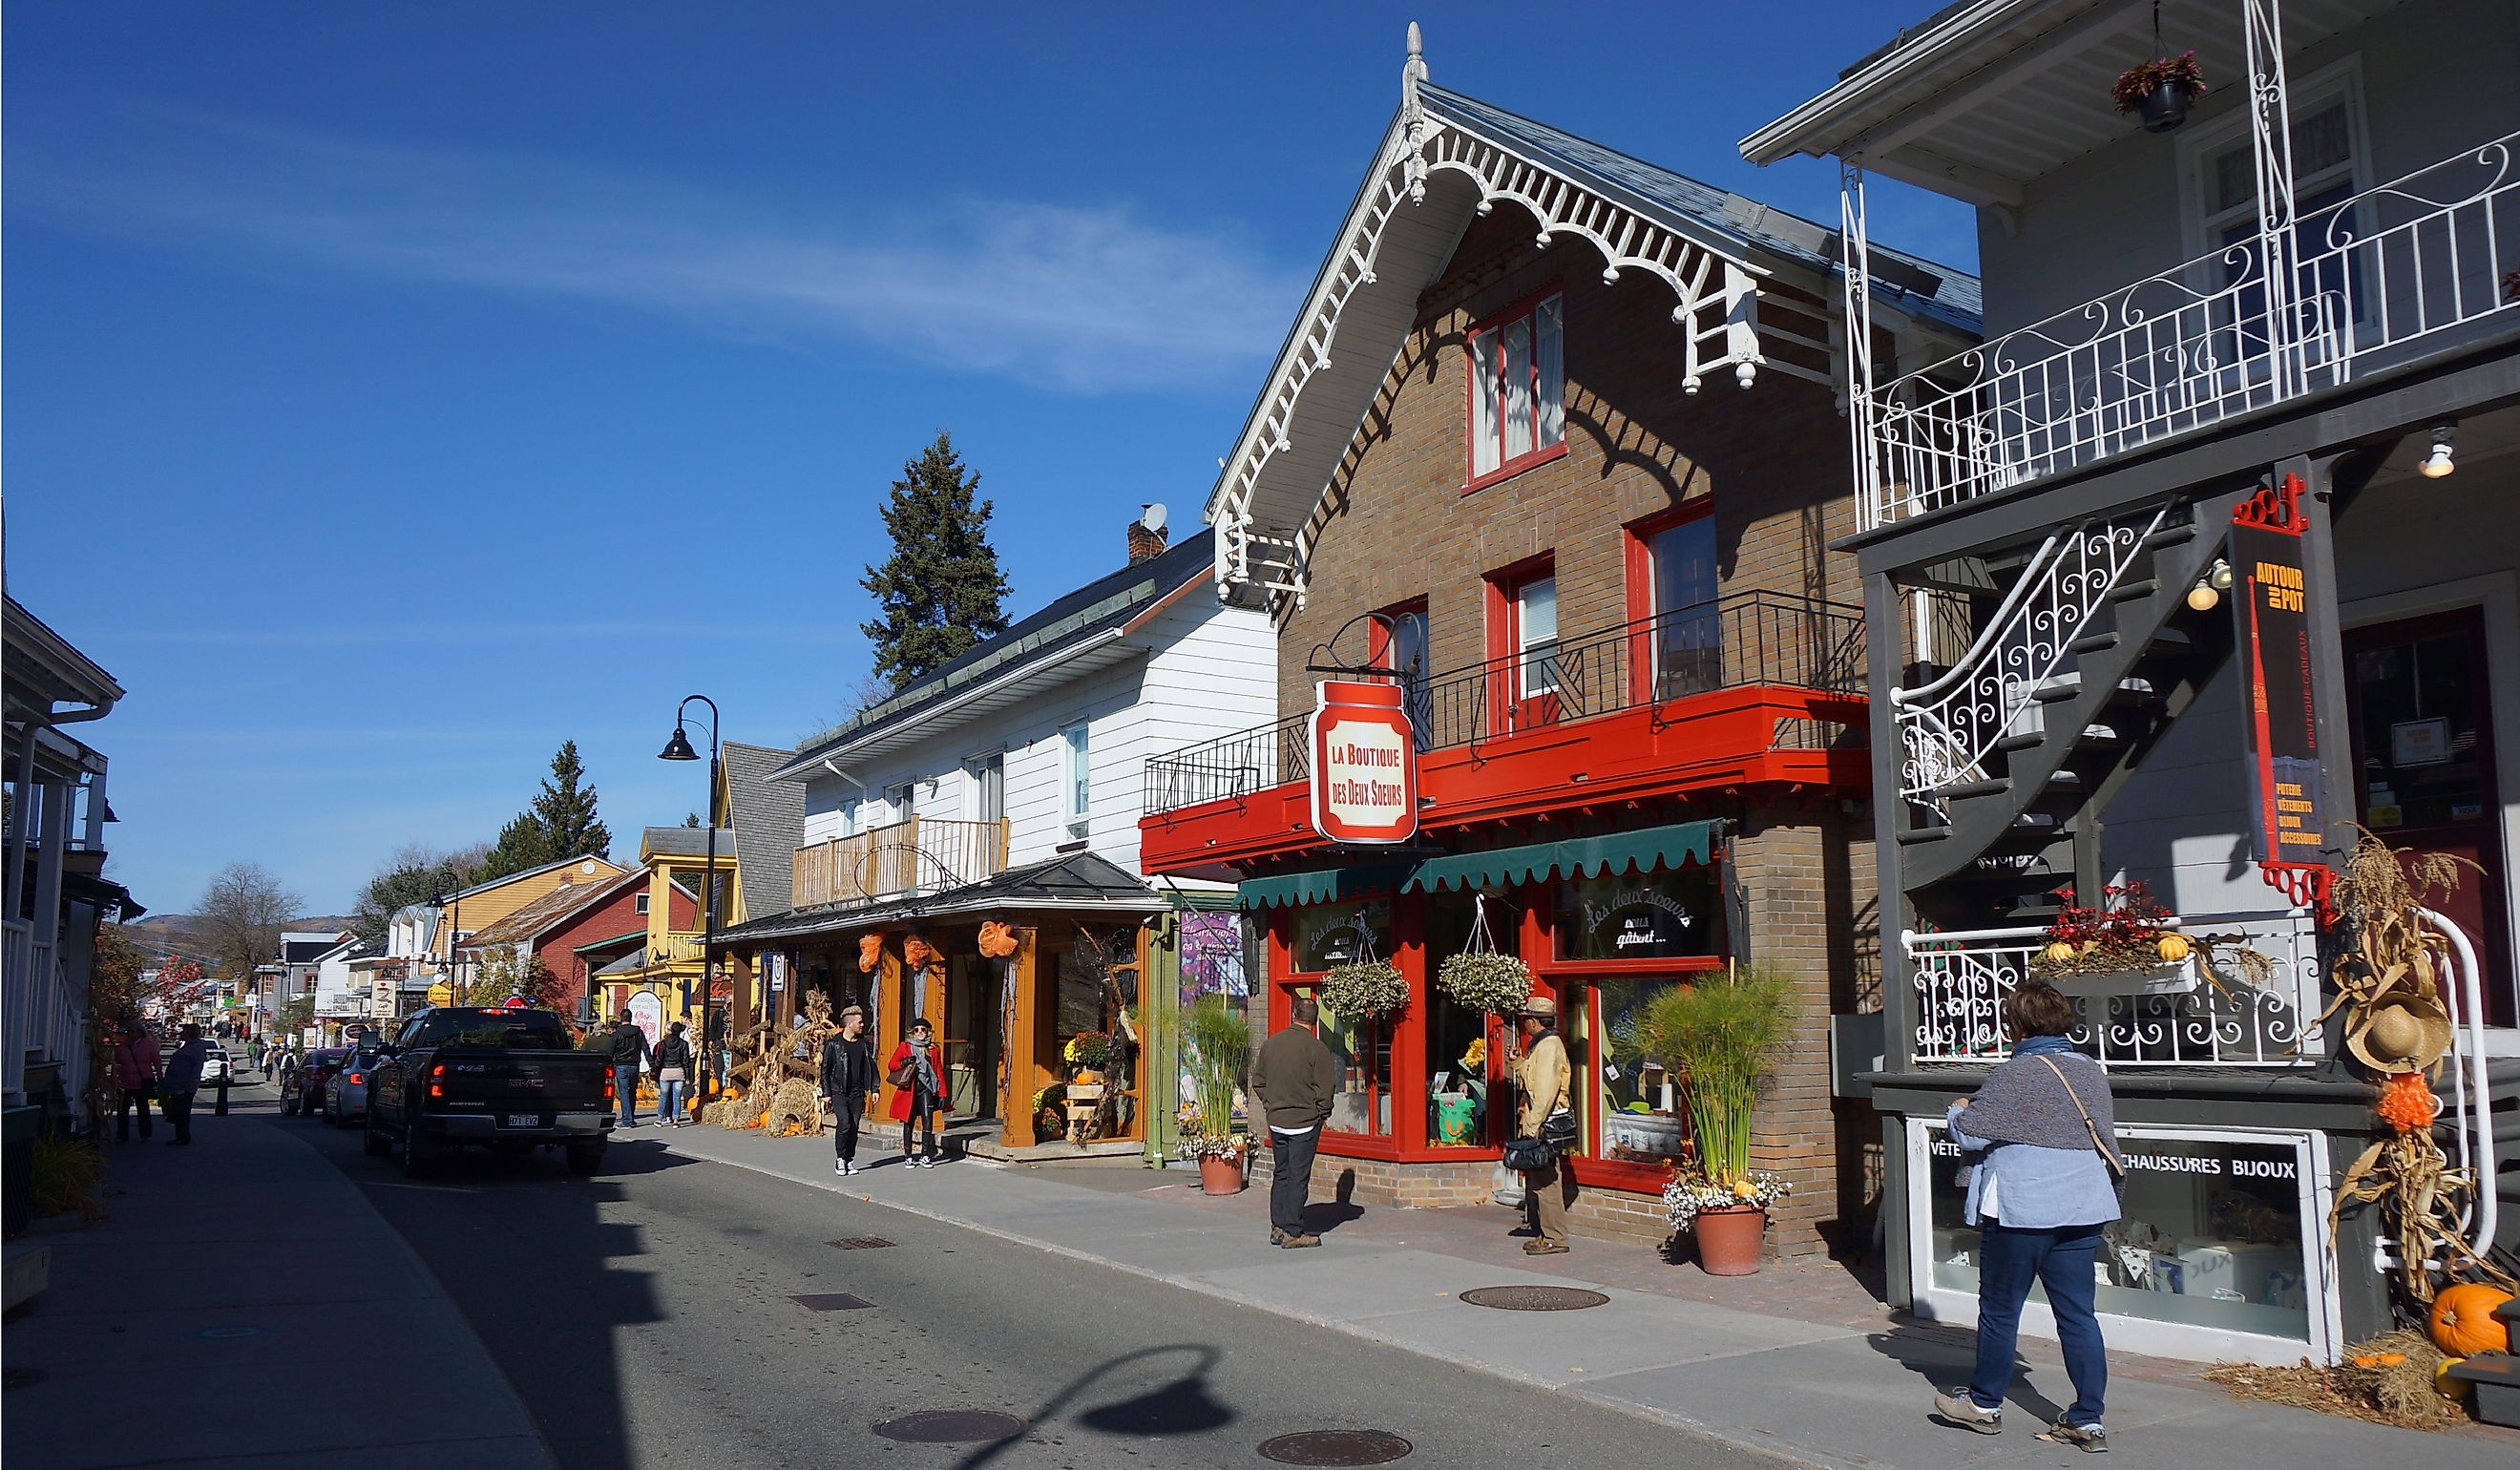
997 939
870 953
2464 1321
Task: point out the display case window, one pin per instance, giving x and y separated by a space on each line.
1361 1048
1669 913
2212 1235
1637 1095
1324 935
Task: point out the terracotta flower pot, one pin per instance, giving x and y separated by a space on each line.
1218 1175
1729 1239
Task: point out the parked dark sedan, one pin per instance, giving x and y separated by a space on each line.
302 1092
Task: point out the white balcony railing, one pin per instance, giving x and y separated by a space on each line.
1962 980
2371 280
917 855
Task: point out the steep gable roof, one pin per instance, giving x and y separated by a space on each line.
553 909
771 816
1445 158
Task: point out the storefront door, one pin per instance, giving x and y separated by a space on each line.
2423 746
971 1041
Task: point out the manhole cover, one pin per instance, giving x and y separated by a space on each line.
1534 1298
961 1426
830 1300
17 1378
1335 1447
858 1243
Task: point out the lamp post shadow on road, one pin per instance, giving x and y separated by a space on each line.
678 748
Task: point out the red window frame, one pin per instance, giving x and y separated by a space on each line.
1510 710
1492 329
1637 557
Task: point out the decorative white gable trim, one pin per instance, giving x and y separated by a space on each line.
1263 517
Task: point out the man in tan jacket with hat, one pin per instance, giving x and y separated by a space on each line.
1541 1074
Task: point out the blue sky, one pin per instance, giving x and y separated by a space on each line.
393 392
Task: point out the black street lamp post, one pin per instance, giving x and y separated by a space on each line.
678 748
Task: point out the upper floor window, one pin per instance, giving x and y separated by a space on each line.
2327 171
986 787
1075 784
1524 666
1399 648
639 904
1517 389
1672 590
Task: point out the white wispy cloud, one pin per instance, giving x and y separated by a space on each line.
1084 298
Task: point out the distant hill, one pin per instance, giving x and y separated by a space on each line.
165 934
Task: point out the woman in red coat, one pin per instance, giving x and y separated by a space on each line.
917 1075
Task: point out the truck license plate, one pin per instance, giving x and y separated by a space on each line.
523 1119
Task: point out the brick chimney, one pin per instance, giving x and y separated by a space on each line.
1145 544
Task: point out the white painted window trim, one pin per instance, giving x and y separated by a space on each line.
2304 96
2179 1340
1076 816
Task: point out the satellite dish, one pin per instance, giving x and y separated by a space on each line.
1153 519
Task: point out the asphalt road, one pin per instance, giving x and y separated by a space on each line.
646 1318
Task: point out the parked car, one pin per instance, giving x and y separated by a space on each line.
216 1068
345 1094
302 1092
504 1078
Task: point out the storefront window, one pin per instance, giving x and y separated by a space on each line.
1637 1095
1331 934
1458 1073
2211 1233
1664 914
1363 1050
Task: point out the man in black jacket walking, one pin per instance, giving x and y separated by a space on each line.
629 1049
1292 1080
848 1080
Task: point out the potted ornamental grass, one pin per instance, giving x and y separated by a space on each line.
1726 1034
2158 91
1218 1041
2128 946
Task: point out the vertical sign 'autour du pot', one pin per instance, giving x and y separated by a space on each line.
1365 764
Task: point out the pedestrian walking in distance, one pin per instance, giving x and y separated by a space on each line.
673 1069
849 1078
918 1078
1541 1076
135 1070
2040 1152
1293 1078
183 1078
629 1049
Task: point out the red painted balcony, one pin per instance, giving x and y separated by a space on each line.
1757 689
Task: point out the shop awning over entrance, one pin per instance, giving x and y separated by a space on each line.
1671 846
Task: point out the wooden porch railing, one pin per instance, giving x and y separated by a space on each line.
922 855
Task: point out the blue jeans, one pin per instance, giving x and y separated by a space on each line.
2061 1260
625 1081
669 1101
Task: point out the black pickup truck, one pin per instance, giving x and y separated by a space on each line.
499 1078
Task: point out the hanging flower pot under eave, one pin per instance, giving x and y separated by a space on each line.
2165 106
2170 979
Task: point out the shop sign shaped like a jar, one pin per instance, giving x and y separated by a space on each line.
1365 764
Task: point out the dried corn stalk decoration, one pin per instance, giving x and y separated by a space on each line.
2389 990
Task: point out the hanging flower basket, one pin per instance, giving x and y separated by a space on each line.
2159 90
1370 988
1496 984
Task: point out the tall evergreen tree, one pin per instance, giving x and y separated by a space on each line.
941 591
560 823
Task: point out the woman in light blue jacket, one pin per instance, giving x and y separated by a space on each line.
2041 1182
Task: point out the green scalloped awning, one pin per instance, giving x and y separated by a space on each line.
1672 846
1329 885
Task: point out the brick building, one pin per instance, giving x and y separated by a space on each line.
1571 491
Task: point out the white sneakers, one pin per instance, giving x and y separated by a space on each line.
843 1168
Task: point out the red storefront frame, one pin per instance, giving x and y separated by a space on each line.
1566 981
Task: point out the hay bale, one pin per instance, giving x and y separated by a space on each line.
2398 1393
796 1111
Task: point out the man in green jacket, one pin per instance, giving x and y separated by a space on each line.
1293 1078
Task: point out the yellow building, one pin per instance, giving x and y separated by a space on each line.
483 905
668 966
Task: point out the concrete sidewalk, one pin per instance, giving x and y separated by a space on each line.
1849 1390
243 1304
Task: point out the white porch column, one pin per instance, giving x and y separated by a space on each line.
2271 147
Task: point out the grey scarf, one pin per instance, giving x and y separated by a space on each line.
923 1066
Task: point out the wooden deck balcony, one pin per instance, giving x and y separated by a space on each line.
922 855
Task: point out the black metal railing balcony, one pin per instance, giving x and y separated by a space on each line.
1747 638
